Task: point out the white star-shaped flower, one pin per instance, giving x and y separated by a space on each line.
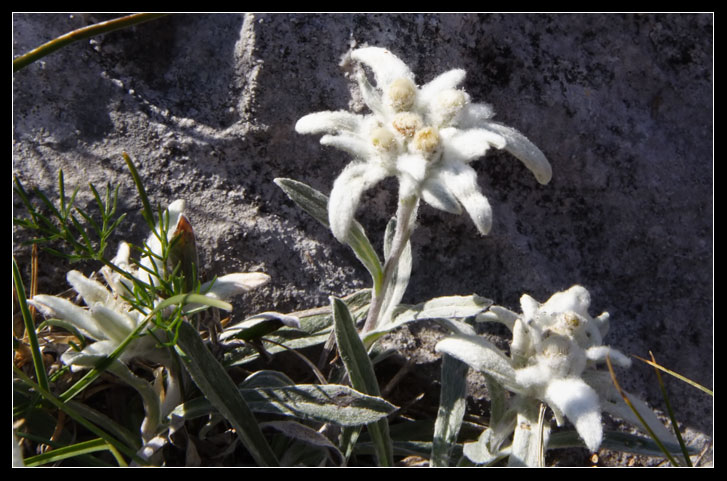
425 136
563 341
553 357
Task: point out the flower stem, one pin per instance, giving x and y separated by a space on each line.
405 215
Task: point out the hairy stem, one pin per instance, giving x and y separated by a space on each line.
405 215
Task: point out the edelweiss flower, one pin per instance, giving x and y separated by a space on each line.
555 343
108 319
425 136
555 348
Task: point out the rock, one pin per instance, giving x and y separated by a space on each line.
206 104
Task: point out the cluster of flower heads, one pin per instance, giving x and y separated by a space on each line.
425 136
554 346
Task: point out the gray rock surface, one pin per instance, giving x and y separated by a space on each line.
622 105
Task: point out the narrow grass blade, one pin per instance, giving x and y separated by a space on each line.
452 404
615 441
38 365
112 427
76 416
638 415
316 204
361 373
221 391
676 375
147 212
671 412
80 34
65 452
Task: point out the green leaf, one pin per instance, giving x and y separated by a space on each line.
446 308
481 355
305 434
352 351
315 328
185 299
266 379
308 198
316 204
481 452
361 373
328 403
259 325
452 405
218 387
487 449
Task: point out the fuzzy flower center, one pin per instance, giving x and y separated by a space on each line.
568 324
407 123
561 356
426 140
401 93
382 139
555 346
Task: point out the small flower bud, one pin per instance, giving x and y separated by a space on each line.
447 105
567 323
555 346
407 123
426 140
382 139
401 93
561 355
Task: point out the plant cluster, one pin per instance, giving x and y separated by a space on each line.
150 322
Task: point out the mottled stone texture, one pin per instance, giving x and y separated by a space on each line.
206 104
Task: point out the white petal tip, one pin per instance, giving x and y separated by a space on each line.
177 206
231 285
290 321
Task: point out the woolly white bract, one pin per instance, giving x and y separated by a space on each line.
425 136
108 319
553 356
